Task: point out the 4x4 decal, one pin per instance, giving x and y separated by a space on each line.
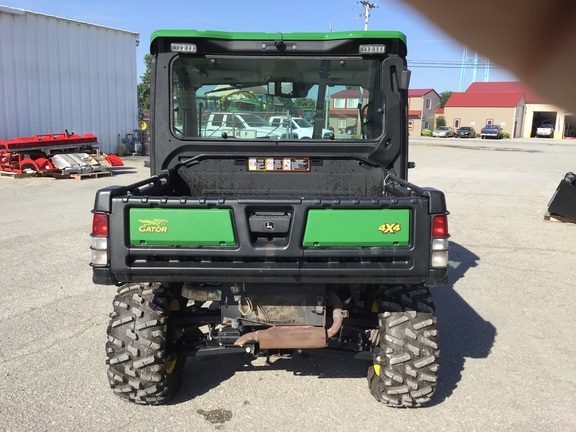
390 228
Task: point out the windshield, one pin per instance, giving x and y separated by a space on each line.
300 122
253 120
244 98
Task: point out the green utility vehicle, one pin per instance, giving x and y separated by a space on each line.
248 239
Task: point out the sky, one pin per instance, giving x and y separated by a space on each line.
434 58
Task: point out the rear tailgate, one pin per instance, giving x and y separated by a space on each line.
329 240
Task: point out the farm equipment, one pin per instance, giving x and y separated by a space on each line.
63 153
247 239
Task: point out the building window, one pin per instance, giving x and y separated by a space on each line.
352 103
342 124
428 103
410 124
456 123
489 121
339 103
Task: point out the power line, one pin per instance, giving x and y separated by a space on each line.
438 64
446 67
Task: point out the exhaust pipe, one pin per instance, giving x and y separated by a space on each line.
286 337
338 314
295 337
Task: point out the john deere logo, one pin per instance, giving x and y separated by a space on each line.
153 226
389 228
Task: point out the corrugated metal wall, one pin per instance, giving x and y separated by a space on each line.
58 74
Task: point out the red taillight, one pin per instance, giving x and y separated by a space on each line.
100 224
440 226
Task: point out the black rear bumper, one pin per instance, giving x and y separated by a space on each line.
281 259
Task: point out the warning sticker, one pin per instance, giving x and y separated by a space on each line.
278 164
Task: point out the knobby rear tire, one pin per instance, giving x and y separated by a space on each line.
141 368
404 375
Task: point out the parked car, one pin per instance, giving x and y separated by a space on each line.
443 132
299 127
240 125
466 132
546 130
491 131
351 130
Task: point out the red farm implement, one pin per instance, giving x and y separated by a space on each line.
62 152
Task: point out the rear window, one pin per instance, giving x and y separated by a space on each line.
306 92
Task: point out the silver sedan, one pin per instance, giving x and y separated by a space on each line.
443 132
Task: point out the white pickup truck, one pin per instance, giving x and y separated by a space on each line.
295 125
240 125
545 130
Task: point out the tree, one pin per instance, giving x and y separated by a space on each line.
305 103
144 85
440 121
444 96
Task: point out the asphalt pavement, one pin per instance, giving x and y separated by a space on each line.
506 318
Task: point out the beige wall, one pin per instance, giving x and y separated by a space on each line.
416 103
533 108
478 117
416 128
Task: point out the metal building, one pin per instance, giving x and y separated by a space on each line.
58 74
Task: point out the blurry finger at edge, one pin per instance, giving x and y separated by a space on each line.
534 41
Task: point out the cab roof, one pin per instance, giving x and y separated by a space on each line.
368 36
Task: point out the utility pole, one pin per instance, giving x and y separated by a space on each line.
463 69
475 70
487 70
367 7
